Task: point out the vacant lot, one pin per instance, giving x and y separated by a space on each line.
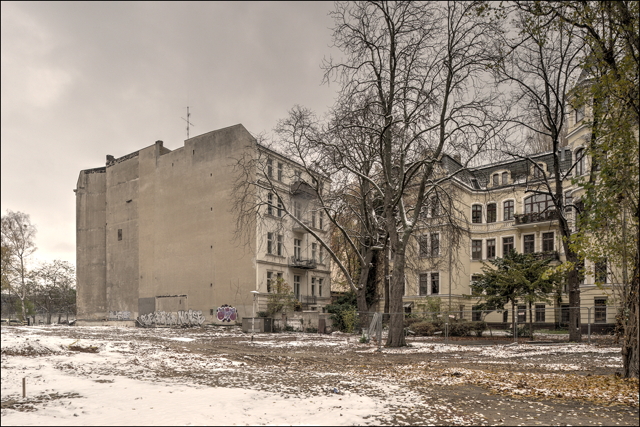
101 375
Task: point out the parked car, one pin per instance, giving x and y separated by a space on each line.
16 322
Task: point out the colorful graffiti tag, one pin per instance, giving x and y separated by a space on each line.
181 318
226 313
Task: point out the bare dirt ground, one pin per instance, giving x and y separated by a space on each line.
425 383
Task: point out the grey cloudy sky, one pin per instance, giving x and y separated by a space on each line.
82 80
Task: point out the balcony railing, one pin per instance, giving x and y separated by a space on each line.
552 255
302 189
533 217
304 263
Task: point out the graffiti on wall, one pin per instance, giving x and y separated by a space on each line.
120 315
226 313
181 318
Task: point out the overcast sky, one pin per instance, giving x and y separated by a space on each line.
83 80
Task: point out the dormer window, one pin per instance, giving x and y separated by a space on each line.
538 170
475 184
496 180
505 178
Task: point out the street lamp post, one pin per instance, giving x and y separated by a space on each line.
253 319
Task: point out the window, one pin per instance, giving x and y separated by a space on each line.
495 180
434 206
580 161
475 184
321 221
270 204
491 212
547 242
313 218
423 244
435 244
270 168
269 278
279 207
505 178
321 258
269 243
424 284
508 208
564 314
297 248
279 248
297 209
476 214
476 249
538 170
600 310
314 248
529 244
522 313
568 201
280 171
540 311
474 281
538 203
313 286
600 271
579 114
296 286
211 312
507 245
320 287
505 316
476 315
435 283
119 233
491 248
461 310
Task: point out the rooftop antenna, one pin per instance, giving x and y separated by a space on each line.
188 122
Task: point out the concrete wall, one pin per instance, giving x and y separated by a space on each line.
172 210
91 191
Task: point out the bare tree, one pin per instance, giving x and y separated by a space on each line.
542 63
18 235
410 76
54 290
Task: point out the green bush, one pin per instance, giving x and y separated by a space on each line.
344 312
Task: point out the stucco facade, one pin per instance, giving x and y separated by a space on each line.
155 233
496 212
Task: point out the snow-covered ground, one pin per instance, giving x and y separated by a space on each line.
220 376
110 388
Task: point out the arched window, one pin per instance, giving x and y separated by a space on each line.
496 180
505 178
476 214
492 212
508 208
538 203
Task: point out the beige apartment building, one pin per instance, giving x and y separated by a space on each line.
497 215
156 234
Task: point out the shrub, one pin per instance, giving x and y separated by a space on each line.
425 328
478 327
344 313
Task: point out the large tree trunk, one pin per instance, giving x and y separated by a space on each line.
396 292
363 282
631 320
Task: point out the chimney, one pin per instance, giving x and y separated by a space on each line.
110 159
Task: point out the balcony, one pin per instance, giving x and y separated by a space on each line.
552 255
535 217
303 263
297 228
300 188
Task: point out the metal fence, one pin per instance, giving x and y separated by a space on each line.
519 323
